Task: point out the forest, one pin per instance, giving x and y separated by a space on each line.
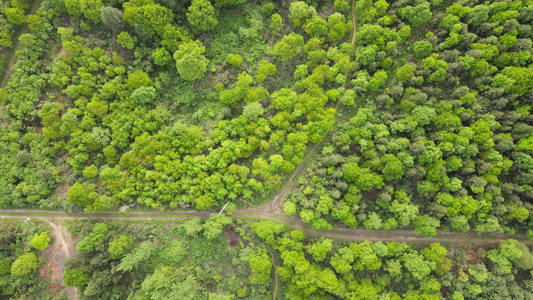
167 260
347 115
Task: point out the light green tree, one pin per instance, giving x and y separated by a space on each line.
201 15
25 264
405 72
94 239
75 277
40 241
118 245
265 69
266 229
320 249
289 46
289 208
82 194
190 61
193 227
15 15
90 171
418 267
213 227
126 40
234 60
161 56
253 110
277 23
336 25
300 11
91 9
261 267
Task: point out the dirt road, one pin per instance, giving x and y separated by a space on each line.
346 234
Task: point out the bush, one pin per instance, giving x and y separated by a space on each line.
234 60
40 241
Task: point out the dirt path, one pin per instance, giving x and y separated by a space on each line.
62 248
404 235
277 204
275 274
346 234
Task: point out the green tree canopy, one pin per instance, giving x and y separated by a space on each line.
75 277
40 241
112 18
82 194
201 15
261 267
289 46
25 264
418 267
363 178
143 95
94 239
418 15
422 49
190 61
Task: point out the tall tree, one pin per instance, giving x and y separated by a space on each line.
190 61
201 15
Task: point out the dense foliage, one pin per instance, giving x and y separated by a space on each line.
435 127
220 258
387 114
162 260
12 16
321 268
21 246
176 127
432 129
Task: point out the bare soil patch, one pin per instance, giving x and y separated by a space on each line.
59 251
